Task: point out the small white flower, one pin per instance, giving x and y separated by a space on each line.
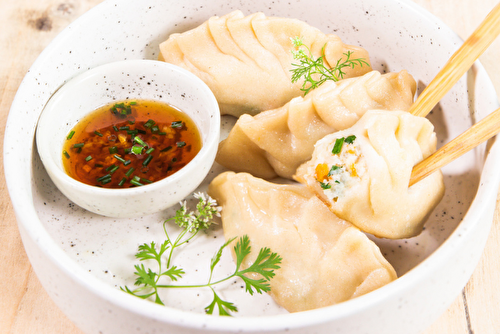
201 196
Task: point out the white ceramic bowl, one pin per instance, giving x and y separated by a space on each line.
120 81
82 258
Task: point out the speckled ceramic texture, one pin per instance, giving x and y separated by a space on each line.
82 258
121 81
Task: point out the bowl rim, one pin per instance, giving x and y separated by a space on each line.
211 140
27 216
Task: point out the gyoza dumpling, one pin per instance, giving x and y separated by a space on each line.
246 60
276 142
326 260
365 180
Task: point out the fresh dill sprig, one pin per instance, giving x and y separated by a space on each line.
148 281
314 71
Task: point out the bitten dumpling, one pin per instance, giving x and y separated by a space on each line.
326 260
362 173
246 60
276 142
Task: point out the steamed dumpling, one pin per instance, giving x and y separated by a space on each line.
246 60
276 142
366 181
326 260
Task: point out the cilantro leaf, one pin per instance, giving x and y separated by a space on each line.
264 264
145 277
334 170
173 273
242 249
350 139
325 185
224 307
191 223
148 252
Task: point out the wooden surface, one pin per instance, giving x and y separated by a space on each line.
29 25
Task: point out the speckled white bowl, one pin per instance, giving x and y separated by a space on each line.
120 81
81 258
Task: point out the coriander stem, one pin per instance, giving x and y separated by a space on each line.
177 242
196 285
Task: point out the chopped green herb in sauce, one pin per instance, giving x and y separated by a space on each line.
128 134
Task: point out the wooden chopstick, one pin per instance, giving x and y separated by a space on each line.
453 70
478 133
458 64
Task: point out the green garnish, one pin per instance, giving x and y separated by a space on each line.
88 158
339 142
337 148
136 183
129 172
149 123
122 182
79 145
140 141
122 109
191 223
103 178
126 127
108 180
110 167
113 150
314 71
114 169
117 157
148 160
137 150
350 139
66 154
115 128
70 135
168 148
98 133
180 144
333 170
325 186
150 150
176 124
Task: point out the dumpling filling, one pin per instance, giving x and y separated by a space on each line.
363 173
342 167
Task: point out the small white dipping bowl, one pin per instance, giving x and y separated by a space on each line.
118 81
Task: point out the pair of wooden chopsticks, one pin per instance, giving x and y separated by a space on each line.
456 66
